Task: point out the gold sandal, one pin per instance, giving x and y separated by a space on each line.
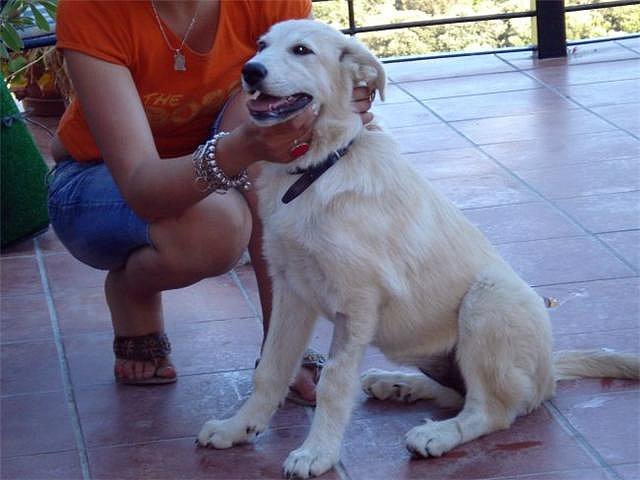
144 348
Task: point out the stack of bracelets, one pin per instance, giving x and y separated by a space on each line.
209 176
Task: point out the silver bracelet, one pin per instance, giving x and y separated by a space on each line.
209 177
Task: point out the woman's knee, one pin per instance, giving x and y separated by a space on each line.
232 234
208 239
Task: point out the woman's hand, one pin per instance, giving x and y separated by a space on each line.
276 143
362 100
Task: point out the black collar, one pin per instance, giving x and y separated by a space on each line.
311 174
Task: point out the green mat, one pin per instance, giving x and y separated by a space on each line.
22 169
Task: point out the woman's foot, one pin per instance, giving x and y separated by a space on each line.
303 387
140 346
303 390
143 359
131 371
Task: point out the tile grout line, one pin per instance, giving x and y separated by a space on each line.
621 44
515 68
542 239
575 197
29 455
110 332
69 394
479 94
570 99
236 279
546 111
591 280
536 475
580 439
589 195
89 386
11 256
623 230
560 237
624 330
607 394
531 189
542 86
18 256
594 236
392 81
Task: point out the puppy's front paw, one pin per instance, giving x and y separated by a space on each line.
226 433
433 438
308 462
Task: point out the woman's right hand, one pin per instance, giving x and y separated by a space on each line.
275 143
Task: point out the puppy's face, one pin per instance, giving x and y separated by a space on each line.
301 62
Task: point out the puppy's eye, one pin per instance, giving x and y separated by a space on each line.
262 45
301 50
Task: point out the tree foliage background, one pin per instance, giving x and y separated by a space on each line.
467 36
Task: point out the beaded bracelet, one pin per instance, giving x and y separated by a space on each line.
209 177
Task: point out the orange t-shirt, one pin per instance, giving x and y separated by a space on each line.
181 106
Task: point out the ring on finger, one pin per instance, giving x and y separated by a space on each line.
372 96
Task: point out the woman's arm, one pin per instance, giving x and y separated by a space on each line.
155 187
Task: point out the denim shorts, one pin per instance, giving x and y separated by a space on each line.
90 216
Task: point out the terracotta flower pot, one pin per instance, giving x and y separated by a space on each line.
43 107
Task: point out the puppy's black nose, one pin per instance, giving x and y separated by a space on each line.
253 73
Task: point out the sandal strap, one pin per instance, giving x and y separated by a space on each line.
312 358
315 361
142 348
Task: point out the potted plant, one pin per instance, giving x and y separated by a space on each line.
35 76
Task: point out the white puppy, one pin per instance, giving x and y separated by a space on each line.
368 244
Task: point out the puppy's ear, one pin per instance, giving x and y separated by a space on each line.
363 65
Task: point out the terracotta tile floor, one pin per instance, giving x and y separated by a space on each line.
542 155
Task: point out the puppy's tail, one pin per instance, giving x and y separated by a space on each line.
600 363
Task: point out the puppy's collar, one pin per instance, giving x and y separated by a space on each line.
311 174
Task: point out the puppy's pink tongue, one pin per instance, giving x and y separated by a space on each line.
264 103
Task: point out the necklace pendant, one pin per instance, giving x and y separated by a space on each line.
179 62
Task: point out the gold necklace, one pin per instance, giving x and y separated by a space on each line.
179 62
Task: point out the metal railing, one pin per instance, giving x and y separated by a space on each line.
549 15
33 36
550 26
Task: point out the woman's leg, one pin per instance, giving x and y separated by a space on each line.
96 225
205 241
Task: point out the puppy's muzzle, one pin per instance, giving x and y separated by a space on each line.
253 73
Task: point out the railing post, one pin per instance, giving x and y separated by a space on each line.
352 18
551 30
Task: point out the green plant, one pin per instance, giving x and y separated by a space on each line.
21 67
20 14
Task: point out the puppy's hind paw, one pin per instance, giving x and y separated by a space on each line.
383 385
408 387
